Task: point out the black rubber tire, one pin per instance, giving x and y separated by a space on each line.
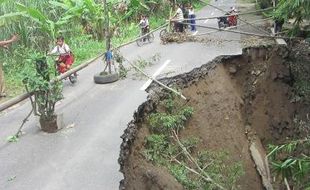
139 42
104 79
73 79
151 37
163 32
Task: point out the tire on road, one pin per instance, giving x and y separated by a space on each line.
151 37
104 79
73 78
139 42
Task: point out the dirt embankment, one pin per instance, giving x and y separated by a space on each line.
238 100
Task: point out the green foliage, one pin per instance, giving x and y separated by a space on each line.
220 168
302 87
161 148
12 138
84 47
164 122
86 12
9 18
294 9
184 177
81 22
289 161
46 93
173 118
156 146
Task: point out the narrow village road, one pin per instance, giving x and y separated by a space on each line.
84 154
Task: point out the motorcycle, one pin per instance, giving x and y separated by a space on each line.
222 22
227 21
61 68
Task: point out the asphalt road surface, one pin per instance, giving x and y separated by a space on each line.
84 154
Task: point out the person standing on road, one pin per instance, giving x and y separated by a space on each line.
4 44
186 16
192 16
278 25
180 18
108 57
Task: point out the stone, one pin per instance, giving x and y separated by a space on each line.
232 70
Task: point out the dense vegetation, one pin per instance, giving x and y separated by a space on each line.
298 10
80 21
193 166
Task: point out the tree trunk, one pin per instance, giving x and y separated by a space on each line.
2 93
107 35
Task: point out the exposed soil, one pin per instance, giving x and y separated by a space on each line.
238 100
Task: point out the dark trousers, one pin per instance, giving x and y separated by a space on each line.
193 22
179 26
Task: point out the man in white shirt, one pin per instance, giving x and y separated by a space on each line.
180 18
144 24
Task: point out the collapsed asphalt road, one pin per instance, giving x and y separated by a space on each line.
84 154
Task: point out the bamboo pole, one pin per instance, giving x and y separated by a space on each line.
157 81
238 17
232 27
24 96
245 33
215 17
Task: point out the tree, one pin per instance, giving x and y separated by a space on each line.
45 24
46 93
293 9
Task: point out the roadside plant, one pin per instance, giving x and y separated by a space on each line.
88 13
291 162
191 167
299 10
173 118
44 24
46 93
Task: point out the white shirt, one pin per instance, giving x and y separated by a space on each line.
144 23
179 15
191 12
64 49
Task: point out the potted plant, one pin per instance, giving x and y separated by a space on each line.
46 94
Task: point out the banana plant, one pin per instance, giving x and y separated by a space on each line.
87 12
44 24
9 18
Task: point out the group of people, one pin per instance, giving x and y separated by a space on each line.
184 16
